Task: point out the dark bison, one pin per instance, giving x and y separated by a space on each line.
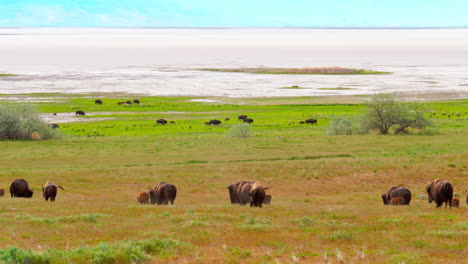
20 188
136 101
258 194
143 198
98 101
301 122
397 191
248 120
128 102
163 193
50 191
232 193
215 122
2 192
267 199
311 121
227 119
455 202
161 121
53 125
441 192
121 103
80 113
242 117
398 201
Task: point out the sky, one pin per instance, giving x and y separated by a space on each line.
238 13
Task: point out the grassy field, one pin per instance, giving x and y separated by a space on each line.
326 205
320 71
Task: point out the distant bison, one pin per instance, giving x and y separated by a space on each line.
163 193
267 199
227 119
215 122
161 121
397 191
455 202
2 192
80 113
128 102
136 101
121 103
466 196
311 121
242 117
143 198
49 191
258 194
248 120
172 122
302 122
20 188
54 126
98 101
441 192
398 201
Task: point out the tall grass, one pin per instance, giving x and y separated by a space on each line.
240 131
340 127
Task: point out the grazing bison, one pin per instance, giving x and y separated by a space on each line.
80 113
161 121
398 201
397 191
54 126
267 199
50 191
215 122
128 102
98 101
242 117
143 198
311 121
248 120
136 101
258 194
163 193
20 188
55 114
455 202
2 192
121 103
441 192
243 192
227 119
172 122
233 193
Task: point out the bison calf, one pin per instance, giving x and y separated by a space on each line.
267 199
143 198
2 192
455 202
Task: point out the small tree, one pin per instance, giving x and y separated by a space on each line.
19 121
388 116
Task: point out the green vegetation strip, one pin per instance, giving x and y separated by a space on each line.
131 251
271 159
7 74
323 70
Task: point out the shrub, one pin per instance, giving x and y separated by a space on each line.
19 121
388 116
340 127
240 131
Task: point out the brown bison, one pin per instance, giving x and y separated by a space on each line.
243 192
455 202
233 193
441 192
267 199
248 120
50 191
242 117
143 198
128 102
215 122
227 119
136 101
20 188
398 201
172 122
121 103
54 126
2 192
397 191
98 101
161 121
163 193
301 122
258 194
79 113
311 121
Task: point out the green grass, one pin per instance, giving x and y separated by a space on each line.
7 74
337 88
317 71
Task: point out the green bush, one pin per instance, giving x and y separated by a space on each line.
340 127
18 121
240 131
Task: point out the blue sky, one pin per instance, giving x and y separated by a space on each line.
239 13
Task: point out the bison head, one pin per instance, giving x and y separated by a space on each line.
384 200
429 195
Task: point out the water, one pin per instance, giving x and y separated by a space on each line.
164 61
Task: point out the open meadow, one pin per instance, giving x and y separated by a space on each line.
326 205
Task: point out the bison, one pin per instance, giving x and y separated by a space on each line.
398 201
227 119
215 122
163 193
49 191
80 113
161 121
172 122
258 194
2 192
301 122
128 102
466 196
98 101
54 126
248 120
311 121
397 191
267 199
20 188
441 192
143 198
121 103
455 202
136 101
242 117
233 193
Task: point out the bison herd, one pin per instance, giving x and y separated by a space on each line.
249 192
